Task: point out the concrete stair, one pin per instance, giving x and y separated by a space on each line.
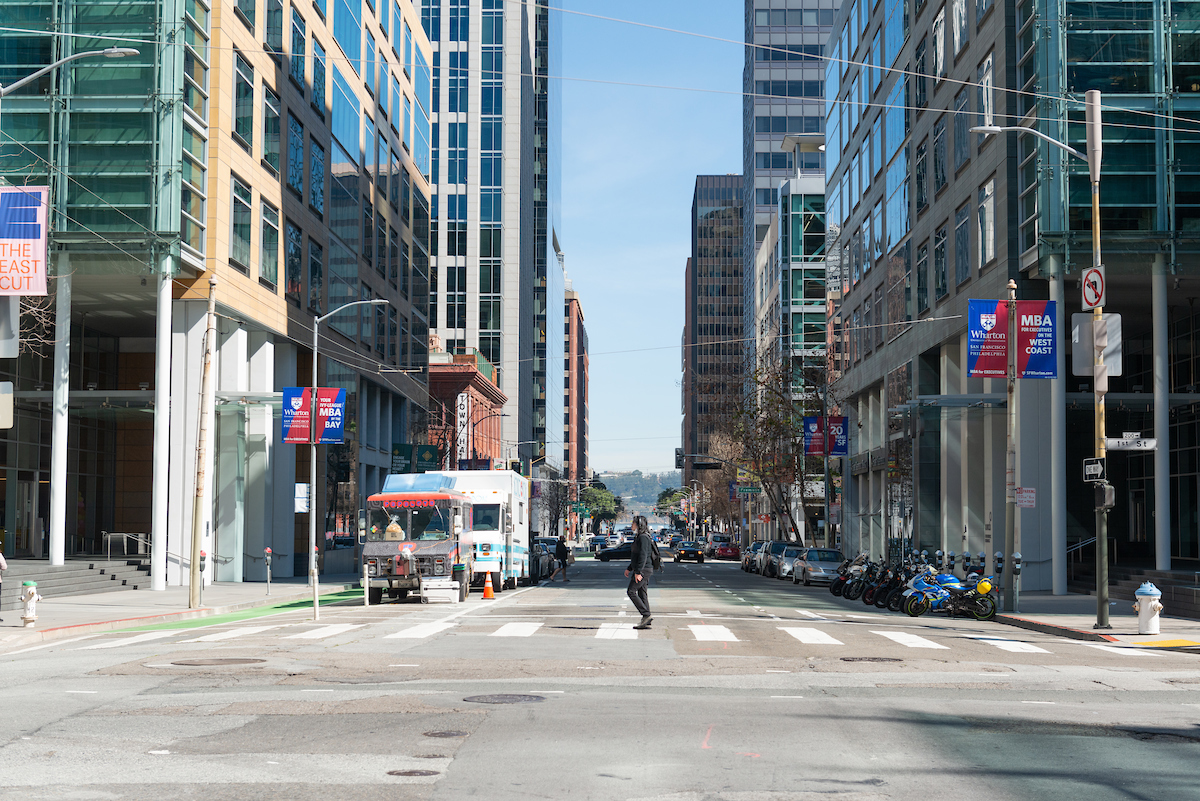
1181 597
76 577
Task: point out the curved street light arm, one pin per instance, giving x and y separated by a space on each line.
988 130
110 52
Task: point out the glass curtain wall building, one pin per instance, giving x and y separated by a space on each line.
497 268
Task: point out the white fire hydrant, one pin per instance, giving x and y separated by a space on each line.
1148 606
29 597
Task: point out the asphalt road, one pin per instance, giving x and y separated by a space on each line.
744 688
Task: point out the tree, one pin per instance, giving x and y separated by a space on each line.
556 499
601 504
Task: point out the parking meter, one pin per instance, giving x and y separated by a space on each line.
203 558
924 557
939 559
1016 566
982 562
952 557
999 563
200 589
267 558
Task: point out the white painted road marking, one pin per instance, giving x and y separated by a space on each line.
325 631
139 638
713 634
810 636
1116 649
229 635
420 631
909 640
616 631
813 615
48 644
1004 644
516 630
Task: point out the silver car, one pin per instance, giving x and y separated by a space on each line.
789 555
816 564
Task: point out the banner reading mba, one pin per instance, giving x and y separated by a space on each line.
1037 339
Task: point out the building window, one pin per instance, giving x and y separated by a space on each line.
369 64
294 263
460 20
939 44
270 138
299 43
192 213
274 32
922 278
392 334
958 18
245 9
368 231
962 245
195 60
316 177
268 255
456 296
318 88
381 263
921 78
316 276
241 223
456 153
243 100
393 255
295 176
962 122
986 91
987 223
347 30
456 225
381 336
920 180
456 82
939 155
366 331
941 285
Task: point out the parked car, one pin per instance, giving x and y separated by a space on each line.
614 540
622 551
716 541
541 562
769 557
727 550
817 564
676 539
750 555
597 543
785 561
689 550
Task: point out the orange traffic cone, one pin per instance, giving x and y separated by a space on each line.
488 592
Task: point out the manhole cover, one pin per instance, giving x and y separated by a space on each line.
412 773
217 662
871 659
429 756
504 699
445 734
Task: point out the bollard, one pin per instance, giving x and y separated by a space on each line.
366 586
1148 606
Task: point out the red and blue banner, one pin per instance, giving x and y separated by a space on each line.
331 415
987 338
1037 324
826 436
837 434
814 436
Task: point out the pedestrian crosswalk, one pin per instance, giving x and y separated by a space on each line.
814 635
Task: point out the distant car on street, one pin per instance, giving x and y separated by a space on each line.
676 539
817 564
750 556
784 565
541 562
690 550
768 557
622 551
597 543
727 550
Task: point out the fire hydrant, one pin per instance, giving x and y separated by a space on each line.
29 597
1148 607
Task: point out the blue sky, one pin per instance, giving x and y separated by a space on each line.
630 157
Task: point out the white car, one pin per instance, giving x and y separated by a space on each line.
790 554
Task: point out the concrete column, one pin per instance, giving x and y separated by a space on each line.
187 358
162 429
1162 419
974 480
281 537
259 503
1058 436
952 427
60 426
229 431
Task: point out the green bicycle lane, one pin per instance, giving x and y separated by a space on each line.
342 598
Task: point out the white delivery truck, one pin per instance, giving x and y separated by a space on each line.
500 505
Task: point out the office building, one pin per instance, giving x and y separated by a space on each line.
575 389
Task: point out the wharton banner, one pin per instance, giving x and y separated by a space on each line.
1037 325
814 436
987 338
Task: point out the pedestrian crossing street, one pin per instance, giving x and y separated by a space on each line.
815 636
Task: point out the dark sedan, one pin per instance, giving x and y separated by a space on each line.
689 550
622 551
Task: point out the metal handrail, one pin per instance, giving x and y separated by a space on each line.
1080 545
125 537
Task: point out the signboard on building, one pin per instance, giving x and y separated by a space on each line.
426 458
23 233
297 413
402 458
1027 497
462 426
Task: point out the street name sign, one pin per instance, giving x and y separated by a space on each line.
1130 444
749 490
1093 469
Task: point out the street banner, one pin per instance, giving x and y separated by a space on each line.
814 436
837 433
428 457
297 410
1037 326
402 458
733 491
987 338
23 234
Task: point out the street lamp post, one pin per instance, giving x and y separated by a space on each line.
1100 378
312 447
109 52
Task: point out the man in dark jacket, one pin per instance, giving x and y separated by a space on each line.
641 566
561 554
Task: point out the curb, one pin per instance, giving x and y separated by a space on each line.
59 632
1050 628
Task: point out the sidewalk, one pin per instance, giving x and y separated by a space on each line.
1074 615
110 611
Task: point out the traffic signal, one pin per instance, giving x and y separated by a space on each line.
679 458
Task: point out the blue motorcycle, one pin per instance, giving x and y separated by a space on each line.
946 592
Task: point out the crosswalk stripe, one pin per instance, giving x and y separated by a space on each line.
420 631
516 630
1015 646
909 640
1116 649
810 636
232 633
807 613
325 631
616 631
139 638
713 634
